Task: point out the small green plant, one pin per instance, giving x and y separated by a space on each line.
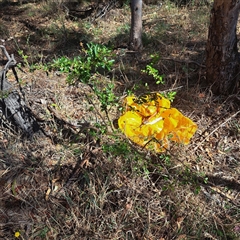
31 66
28 60
117 148
24 57
170 95
43 232
101 129
166 159
106 95
96 59
151 71
203 176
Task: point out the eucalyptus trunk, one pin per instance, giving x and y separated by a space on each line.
136 25
222 60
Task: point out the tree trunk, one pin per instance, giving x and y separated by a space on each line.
136 25
222 60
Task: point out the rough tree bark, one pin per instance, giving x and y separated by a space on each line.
136 25
222 59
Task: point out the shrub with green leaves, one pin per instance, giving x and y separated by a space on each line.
96 59
90 68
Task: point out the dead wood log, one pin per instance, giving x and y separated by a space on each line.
12 105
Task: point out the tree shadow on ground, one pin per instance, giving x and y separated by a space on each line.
40 34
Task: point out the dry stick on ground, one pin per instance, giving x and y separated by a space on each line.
148 61
182 61
199 144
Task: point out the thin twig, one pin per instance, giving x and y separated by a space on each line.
170 59
199 144
168 90
182 61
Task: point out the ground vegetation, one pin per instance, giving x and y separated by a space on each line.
81 178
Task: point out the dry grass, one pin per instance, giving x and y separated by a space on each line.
88 183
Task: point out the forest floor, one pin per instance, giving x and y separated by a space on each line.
84 179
